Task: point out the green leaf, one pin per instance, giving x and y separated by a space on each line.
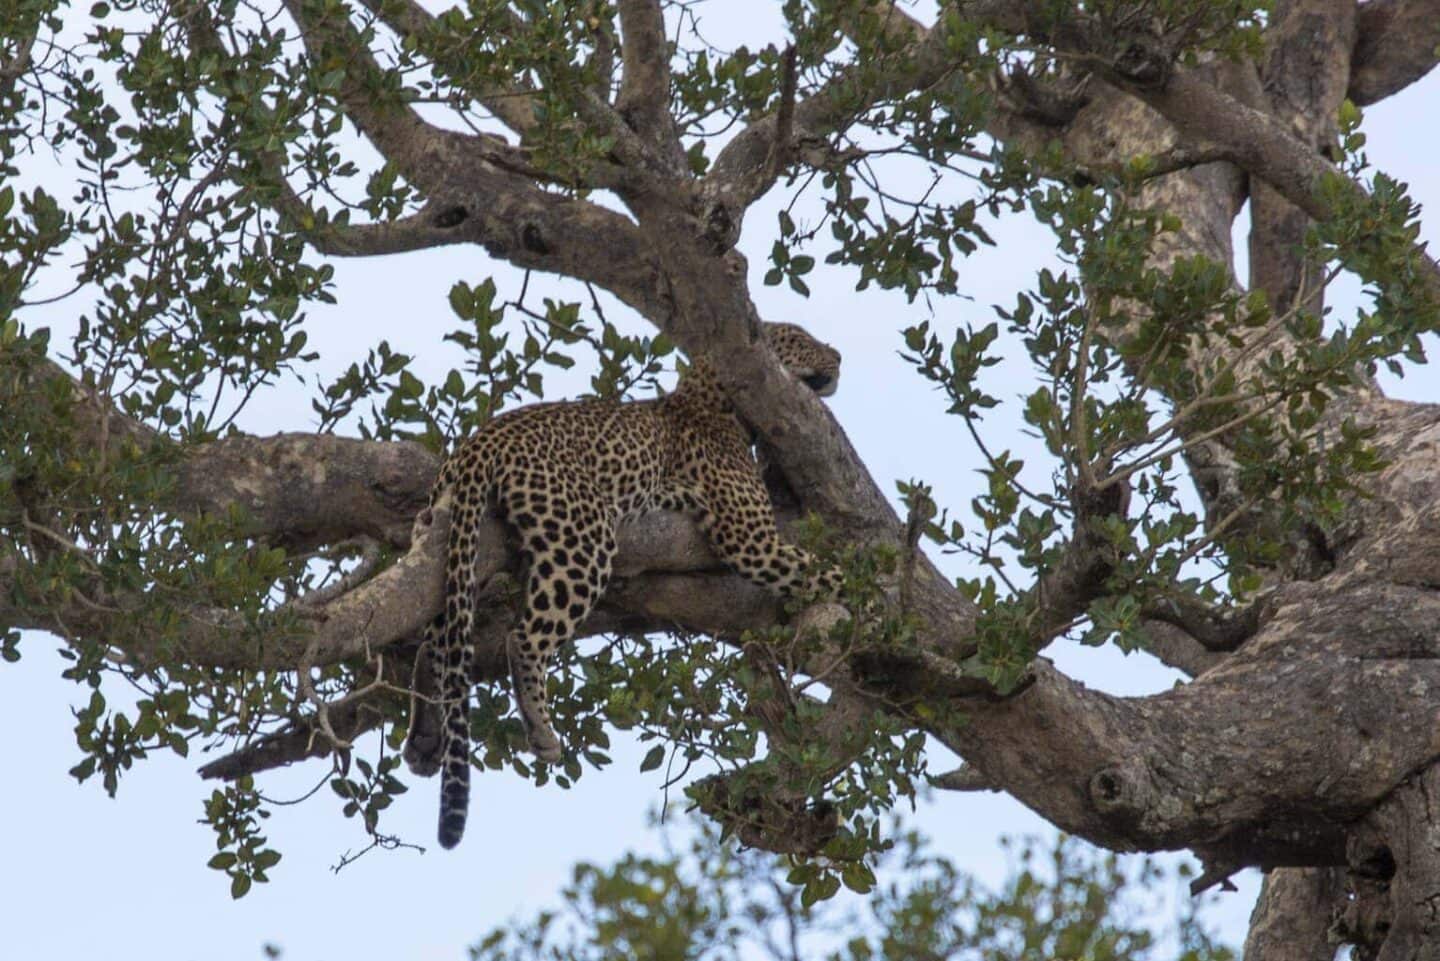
461 301
653 758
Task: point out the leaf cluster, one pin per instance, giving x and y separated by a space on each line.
712 902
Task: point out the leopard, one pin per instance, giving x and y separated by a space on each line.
563 476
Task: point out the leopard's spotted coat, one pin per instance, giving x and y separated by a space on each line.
563 475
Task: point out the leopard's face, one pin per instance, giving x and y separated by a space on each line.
815 363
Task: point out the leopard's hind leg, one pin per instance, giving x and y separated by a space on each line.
567 538
424 741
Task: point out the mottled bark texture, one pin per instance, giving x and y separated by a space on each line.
1292 919
1305 744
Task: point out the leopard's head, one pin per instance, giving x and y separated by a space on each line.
814 362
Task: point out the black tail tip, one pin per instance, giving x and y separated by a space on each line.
452 829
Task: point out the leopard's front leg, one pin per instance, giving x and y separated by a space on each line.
734 511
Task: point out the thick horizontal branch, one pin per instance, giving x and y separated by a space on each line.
303 490
433 226
1207 767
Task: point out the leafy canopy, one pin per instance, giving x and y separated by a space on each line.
169 170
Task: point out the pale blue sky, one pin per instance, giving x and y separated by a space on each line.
85 876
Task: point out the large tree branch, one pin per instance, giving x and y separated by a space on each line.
425 154
1305 76
1292 919
1397 42
480 189
483 191
1201 112
745 169
1190 100
512 104
431 226
1202 766
644 98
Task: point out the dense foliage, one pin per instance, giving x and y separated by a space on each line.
710 902
175 176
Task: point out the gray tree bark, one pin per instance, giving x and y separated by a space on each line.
1305 743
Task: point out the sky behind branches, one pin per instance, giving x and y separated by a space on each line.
84 876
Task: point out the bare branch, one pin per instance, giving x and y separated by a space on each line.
350 718
1173 647
1173 160
966 777
784 144
1215 630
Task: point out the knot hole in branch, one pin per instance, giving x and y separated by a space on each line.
533 240
721 230
1370 858
1117 793
450 217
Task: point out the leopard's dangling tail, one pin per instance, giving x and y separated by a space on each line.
455 768
453 652
439 738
